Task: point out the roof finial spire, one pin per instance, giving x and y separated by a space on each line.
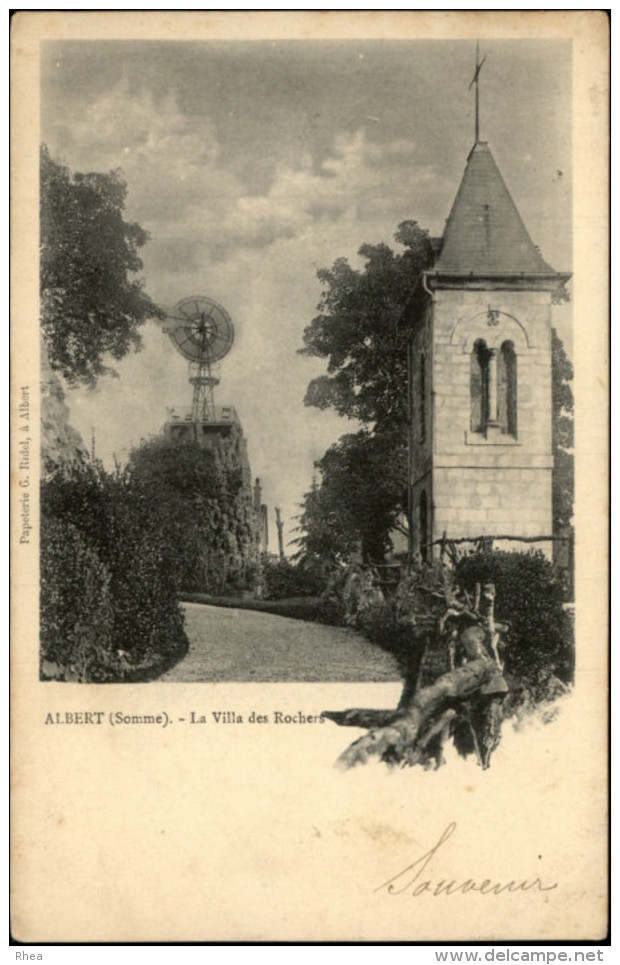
479 64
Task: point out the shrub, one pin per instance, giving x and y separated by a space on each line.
330 611
283 579
405 626
299 608
76 615
529 597
103 523
538 651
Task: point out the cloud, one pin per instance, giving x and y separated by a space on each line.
192 203
255 253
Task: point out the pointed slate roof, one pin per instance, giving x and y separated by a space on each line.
485 233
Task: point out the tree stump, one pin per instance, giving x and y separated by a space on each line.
464 702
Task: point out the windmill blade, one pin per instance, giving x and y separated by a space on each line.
179 318
185 338
220 344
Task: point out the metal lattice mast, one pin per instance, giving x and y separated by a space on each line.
203 399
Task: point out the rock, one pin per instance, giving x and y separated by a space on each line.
60 442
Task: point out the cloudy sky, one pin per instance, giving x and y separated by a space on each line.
252 164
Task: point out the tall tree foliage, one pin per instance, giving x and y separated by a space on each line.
91 307
360 499
361 330
109 607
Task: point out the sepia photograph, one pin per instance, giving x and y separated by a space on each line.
301 408
186 481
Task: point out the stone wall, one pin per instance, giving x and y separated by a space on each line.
477 502
485 483
422 399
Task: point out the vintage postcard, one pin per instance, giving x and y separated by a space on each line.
309 471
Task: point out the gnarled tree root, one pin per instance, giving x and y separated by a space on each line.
415 733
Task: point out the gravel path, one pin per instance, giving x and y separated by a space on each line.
241 645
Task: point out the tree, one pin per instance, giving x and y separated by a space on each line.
203 505
475 645
90 306
323 536
362 331
459 701
363 490
563 436
109 591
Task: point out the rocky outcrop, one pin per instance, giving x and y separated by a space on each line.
60 442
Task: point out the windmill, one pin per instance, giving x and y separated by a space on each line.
202 332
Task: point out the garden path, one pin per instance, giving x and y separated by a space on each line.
244 645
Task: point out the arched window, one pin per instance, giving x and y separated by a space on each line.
422 399
423 526
493 388
507 389
479 386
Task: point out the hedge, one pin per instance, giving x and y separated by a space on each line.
76 614
283 580
539 643
108 588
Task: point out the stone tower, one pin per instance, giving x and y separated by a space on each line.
481 373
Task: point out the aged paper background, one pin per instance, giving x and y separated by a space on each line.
249 833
